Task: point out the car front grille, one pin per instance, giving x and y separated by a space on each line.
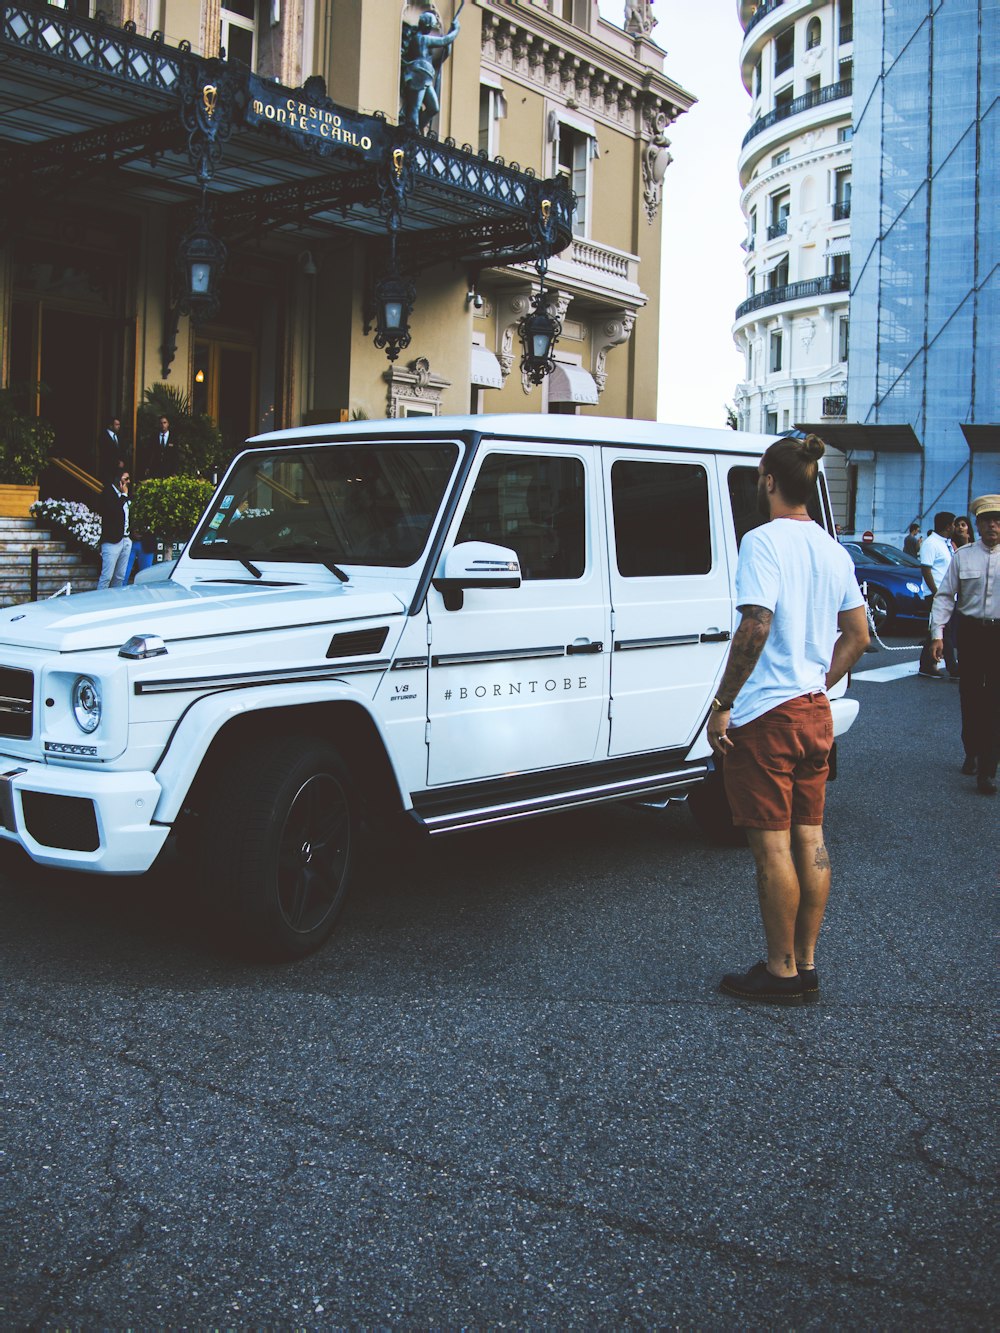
16 696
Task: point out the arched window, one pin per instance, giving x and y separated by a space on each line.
814 32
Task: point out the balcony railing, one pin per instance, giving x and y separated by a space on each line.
836 406
846 32
761 13
833 92
795 291
842 211
776 229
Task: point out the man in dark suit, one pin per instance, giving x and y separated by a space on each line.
163 452
110 450
116 543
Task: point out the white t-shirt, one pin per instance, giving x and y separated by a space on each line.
936 552
798 572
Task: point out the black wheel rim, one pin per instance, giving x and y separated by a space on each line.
313 854
880 611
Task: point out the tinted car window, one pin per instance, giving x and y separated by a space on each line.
534 506
661 518
743 497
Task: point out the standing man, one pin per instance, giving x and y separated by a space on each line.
936 551
116 544
971 589
110 453
911 542
795 588
164 460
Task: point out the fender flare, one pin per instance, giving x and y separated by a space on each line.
201 723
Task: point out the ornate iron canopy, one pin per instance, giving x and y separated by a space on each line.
161 123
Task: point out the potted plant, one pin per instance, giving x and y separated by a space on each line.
25 445
165 510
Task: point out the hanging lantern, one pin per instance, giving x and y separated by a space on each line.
538 332
394 300
201 257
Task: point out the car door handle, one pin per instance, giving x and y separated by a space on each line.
716 636
576 649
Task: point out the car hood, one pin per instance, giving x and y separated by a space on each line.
95 620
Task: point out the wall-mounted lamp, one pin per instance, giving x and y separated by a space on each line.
394 300
539 333
307 264
199 377
201 258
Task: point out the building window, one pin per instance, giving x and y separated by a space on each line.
239 30
575 150
749 361
756 82
783 99
784 52
846 21
814 33
79 9
840 266
770 423
842 338
783 156
661 517
845 133
841 196
778 276
775 353
492 109
751 283
779 206
813 85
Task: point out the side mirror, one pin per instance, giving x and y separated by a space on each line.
476 565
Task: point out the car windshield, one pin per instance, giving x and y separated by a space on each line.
880 553
354 504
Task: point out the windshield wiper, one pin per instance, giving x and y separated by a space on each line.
249 564
303 548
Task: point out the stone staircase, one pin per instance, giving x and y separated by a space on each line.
59 562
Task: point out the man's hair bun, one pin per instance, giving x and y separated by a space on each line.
813 447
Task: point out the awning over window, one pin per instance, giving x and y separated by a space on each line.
486 372
856 435
572 384
982 439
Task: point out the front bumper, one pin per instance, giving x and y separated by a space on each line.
81 819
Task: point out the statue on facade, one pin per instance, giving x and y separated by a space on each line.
424 49
639 21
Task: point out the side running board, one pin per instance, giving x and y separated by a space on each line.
676 782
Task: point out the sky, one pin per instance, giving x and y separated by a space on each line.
703 276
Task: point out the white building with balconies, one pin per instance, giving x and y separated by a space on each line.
795 175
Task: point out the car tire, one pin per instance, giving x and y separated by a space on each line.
709 805
278 847
882 607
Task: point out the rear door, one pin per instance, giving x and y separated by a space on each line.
670 595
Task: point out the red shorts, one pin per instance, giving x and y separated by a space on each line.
776 772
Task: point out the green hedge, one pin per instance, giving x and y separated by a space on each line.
169 507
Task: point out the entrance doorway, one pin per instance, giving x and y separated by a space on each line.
225 388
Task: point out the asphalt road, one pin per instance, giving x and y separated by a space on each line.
509 1094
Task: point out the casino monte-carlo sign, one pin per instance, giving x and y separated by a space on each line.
309 122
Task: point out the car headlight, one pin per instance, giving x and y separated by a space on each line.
87 703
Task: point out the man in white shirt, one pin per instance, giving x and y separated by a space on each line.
970 589
803 627
936 551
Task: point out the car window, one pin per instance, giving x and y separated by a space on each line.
856 554
661 518
885 554
357 504
534 506
743 498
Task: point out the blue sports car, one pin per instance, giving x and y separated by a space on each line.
896 587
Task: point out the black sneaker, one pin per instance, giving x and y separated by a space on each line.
760 984
986 786
810 984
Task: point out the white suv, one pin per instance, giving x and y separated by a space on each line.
457 621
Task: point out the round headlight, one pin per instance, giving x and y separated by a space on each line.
86 703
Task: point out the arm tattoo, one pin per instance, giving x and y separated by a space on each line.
745 650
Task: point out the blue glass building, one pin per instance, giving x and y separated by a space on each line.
924 377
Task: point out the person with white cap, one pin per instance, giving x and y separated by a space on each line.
970 589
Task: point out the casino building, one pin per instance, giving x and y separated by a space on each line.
224 197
